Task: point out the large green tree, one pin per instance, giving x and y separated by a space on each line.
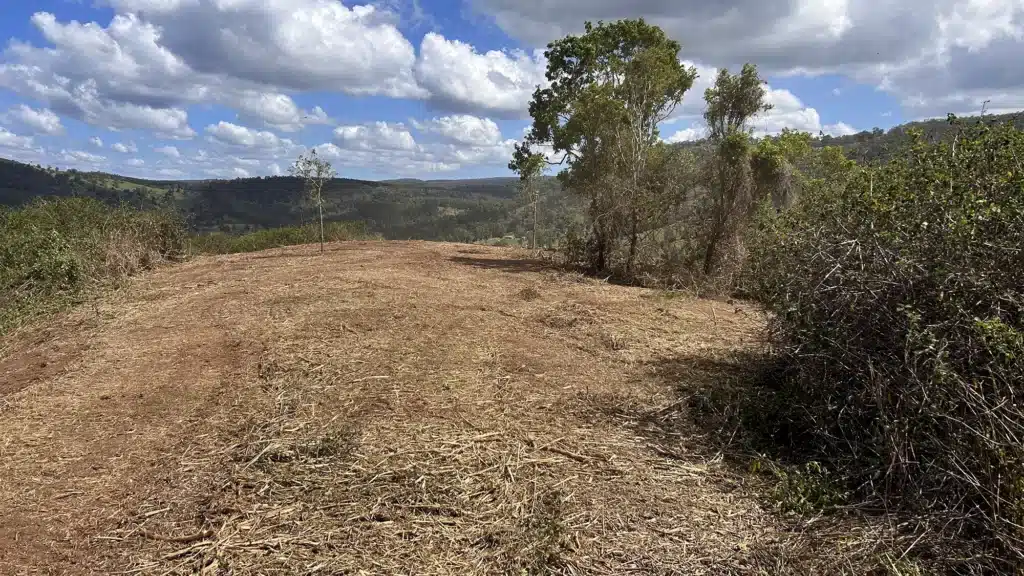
609 90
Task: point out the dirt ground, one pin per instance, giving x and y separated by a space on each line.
384 408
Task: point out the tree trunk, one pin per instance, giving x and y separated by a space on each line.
535 202
709 254
320 204
599 241
632 242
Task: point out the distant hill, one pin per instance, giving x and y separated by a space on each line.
877 144
407 208
456 210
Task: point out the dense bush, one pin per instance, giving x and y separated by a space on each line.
223 243
897 298
52 249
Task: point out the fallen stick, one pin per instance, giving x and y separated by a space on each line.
179 539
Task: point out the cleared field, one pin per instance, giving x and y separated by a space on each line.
385 408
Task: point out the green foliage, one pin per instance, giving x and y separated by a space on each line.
896 295
224 243
806 490
52 250
610 89
732 101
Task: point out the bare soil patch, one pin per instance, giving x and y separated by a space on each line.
384 408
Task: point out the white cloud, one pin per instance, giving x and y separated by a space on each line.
116 77
169 151
839 129
235 135
448 143
170 172
293 44
463 129
129 148
837 92
787 111
279 111
11 140
228 173
42 121
462 80
135 162
686 135
81 156
936 56
96 141
376 136
155 58
251 162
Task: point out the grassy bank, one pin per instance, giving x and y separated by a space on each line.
52 251
224 243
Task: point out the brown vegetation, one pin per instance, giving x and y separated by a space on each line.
387 407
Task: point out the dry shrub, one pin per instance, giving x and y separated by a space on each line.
529 294
53 249
897 301
224 243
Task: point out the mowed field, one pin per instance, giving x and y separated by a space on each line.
383 408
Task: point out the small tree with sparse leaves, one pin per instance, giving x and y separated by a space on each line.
314 172
530 167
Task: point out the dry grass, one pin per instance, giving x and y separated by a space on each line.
386 408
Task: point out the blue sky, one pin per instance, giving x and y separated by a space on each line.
439 89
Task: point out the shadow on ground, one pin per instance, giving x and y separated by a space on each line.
519 265
734 402
727 405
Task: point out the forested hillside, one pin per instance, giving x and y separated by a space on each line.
456 210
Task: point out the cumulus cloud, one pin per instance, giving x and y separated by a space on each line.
155 58
686 135
10 140
945 55
278 111
169 151
443 144
129 148
376 136
81 156
787 111
839 129
228 173
463 129
284 43
96 141
42 121
135 162
235 135
461 79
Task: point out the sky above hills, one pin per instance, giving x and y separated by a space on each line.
440 88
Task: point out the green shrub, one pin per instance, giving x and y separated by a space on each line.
897 297
807 489
51 250
223 243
